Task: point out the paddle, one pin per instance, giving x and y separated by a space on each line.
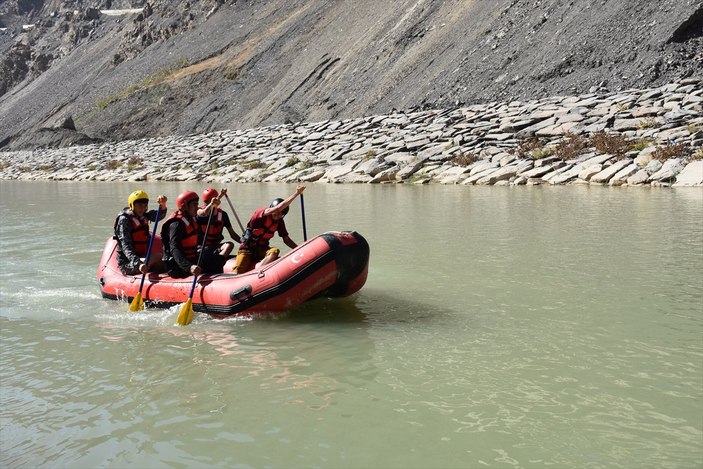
186 315
235 213
302 210
137 303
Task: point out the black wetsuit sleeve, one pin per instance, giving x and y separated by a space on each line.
123 231
176 232
151 215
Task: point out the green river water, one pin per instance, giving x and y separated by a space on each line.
523 327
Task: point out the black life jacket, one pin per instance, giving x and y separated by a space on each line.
140 231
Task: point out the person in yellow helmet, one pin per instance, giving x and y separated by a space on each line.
132 234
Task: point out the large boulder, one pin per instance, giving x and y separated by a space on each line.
691 175
668 171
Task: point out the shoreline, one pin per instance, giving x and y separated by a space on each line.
648 137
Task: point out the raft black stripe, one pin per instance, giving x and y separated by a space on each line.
276 290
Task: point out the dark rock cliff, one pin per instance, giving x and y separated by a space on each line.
118 69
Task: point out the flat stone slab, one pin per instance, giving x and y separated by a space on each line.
669 170
610 171
691 175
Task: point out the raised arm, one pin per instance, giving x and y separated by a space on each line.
205 211
283 205
151 214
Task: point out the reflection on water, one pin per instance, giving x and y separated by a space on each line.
523 327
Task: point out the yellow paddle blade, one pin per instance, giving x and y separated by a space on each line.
186 314
137 303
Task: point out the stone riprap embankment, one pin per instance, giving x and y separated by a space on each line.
633 137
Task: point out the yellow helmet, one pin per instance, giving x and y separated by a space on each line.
135 196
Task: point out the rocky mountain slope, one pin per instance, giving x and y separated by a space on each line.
75 71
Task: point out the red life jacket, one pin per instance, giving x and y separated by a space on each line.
259 231
214 233
189 243
140 232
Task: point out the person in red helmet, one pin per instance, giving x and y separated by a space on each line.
263 225
132 233
214 239
181 237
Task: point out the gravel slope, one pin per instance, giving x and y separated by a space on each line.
242 64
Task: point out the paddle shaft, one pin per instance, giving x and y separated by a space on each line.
202 249
148 249
241 227
302 210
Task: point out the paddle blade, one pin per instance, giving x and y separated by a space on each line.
137 303
186 315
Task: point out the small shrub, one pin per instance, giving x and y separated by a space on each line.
464 159
113 164
105 102
639 145
608 143
255 165
306 164
668 152
234 75
539 153
526 147
623 107
692 128
646 123
370 154
697 155
292 161
571 147
135 160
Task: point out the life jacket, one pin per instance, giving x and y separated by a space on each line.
214 233
140 231
259 231
189 243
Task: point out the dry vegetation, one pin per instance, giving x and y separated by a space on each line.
464 159
571 147
612 144
526 147
666 152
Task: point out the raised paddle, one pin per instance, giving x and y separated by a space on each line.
302 210
137 303
235 213
186 315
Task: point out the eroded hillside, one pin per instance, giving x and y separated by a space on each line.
79 70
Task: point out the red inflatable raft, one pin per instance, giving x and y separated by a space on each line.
333 264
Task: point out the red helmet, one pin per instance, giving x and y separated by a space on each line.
208 195
185 198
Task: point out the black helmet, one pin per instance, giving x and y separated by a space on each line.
275 202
